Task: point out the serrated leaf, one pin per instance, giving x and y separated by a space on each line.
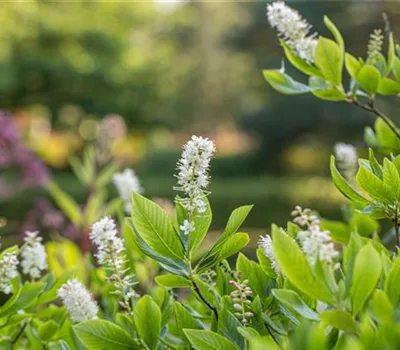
147 318
373 185
284 84
208 340
228 327
184 319
294 266
368 78
342 185
339 319
155 228
322 90
328 58
366 273
293 302
391 54
101 334
353 65
173 281
396 68
391 178
388 87
298 62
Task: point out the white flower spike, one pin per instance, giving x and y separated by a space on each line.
78 301
33 253
126 183
293 29
193 178
8 271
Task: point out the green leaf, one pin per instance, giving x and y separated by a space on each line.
265 263
65 202
328 58
293 302
155 228
344 187
368 78
294 266
172 281
373 185
396 68
23 299
382 307
391 178
175 266
391 283
339 319
353 65
233 245
367 270
259 282
184 319
391 54
299 63
322 90
388 87
208 340
336 34
147 318
228 327
386 137
47 329
101 334
375 166
284 84
340 232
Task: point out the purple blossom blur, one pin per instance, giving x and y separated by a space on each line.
16 156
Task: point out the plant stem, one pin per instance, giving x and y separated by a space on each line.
198 292
372 109
21 330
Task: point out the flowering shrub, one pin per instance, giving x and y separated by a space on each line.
149 282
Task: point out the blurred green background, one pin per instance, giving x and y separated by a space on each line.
153 73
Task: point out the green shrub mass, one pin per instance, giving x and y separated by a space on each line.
164 284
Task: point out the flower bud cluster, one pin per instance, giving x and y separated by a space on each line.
241 302
315 242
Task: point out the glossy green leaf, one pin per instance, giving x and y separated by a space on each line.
396 68
184 319
328 58
228 326
336 34
101 334
369 78
27 295
172 281
284 84
293 302
373 185
208 340
382 307
353 65
298 62
339 319
367 271
155 228
391 178
388 87
391 54
147 318
295 267
322 90
342 185
391 283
